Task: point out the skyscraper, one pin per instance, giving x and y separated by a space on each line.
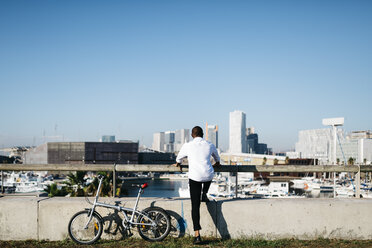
182 136
252 143
237 136
211 134
170 141
169 137
158 141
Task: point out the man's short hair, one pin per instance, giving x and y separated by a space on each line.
197 132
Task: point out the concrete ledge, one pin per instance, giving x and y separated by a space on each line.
296 218
19 218
47 218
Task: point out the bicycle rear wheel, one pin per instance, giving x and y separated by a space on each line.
82 235
158 232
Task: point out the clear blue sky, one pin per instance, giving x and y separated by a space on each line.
83 69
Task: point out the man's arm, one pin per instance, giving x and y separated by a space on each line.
181 155
178 165
215 156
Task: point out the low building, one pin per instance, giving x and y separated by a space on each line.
108 138
36 155
251 159
316 143
302 161
6 160
84 152
156 158
365 134
359 149
93 152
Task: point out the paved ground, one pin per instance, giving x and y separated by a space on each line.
187 242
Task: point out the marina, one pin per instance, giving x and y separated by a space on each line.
170 185
25 182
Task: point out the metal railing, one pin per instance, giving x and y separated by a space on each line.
355 169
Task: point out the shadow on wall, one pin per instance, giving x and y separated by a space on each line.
215 210
178 223
113 225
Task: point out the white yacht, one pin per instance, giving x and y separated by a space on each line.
27 182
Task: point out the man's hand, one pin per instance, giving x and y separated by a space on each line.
217 164
178 165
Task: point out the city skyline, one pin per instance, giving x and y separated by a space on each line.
75 71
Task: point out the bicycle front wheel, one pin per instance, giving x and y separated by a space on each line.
82 233
161 228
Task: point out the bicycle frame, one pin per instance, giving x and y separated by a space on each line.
133 211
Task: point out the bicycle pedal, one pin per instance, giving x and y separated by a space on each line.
129 234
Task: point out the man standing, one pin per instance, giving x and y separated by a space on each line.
201 172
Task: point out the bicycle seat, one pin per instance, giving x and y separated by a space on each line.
142 186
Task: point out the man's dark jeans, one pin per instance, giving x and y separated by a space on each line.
196 189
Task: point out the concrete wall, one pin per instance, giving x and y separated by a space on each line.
296 218
18 218
47 218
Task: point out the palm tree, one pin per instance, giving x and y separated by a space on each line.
107 186
53 190
287 160
264 161
76 179
76 183
350 161
77 187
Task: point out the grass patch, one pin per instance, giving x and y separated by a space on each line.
187 242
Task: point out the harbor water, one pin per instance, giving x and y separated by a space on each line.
157 187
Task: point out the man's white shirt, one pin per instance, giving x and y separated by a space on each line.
199 151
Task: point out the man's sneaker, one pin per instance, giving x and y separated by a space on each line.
197 240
